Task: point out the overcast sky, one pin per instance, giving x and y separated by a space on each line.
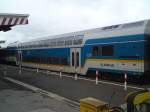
51 17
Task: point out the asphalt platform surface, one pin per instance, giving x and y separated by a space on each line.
14 98
71 88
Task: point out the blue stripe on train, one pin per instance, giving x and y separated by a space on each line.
60 52
115 39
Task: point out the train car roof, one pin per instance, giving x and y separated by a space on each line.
103 32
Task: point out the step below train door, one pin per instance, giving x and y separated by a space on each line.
75 59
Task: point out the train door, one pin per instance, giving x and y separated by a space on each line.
19 57
75 58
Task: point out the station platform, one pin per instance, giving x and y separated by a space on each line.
70 88
14 98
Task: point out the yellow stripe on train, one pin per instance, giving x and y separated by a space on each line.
115 60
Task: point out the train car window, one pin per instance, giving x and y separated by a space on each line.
68 42
64 61
60 43
59 60
52 60
37 45
72 58
77 42
77 59
49 60
95 51
100 51
43 44
40 59
55 60
108 50
45 60
35 59
32 60
46 44
53 44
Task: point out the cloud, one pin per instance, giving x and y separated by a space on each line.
50 17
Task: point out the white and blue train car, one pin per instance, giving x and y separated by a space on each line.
113 51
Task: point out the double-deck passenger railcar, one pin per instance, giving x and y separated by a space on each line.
112 50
